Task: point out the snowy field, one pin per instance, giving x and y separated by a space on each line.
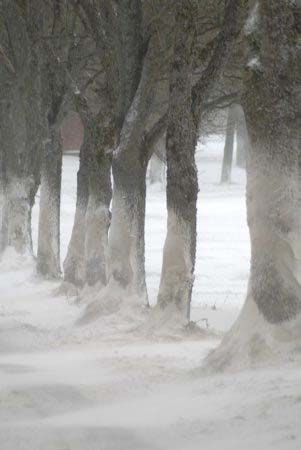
65 387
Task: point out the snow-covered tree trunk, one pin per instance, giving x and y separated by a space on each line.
269 325
126 257
48 257
19 163
97 218
74 264
229 146
139 134
20 128
242 139
126 238
182 185
19 215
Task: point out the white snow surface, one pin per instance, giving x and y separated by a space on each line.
104 386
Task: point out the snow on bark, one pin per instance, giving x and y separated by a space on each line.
126 268
96 242
97 219
253 22
269 325
48 257
20 130
17 210
177 269
74 264
126 264
182 186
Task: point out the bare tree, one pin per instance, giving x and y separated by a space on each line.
270 320
180 246
57 39
229 146
21 127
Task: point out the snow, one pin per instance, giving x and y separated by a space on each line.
252 23
98 387
254 64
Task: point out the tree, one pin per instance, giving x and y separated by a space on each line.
56 52
269 324
21 127
229 146
187 106
136 48
74 263
95 101
182 186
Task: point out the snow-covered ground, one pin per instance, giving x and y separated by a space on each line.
65 387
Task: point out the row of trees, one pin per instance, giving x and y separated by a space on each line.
135 71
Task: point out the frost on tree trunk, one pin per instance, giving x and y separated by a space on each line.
19 159
126 263
242 138
97 218
229 147
48 257
182 186
126 238
74 264
270 323
20 131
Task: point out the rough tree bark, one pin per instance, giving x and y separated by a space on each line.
229 146
126 240
55 84
48 255
180 246
182 184
130 160
20 127
269 325
97 218
74 263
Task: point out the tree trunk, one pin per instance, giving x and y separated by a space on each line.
126 270
48 257
20 129
74 264
18 210
242 139
269 325
97 219
229 147
18 184
182 185
126 239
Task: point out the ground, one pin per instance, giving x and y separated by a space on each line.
99 387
